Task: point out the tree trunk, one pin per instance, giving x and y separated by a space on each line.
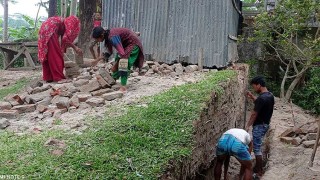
295 82
73 7
5 21
52 8
37 16
283 83
86 10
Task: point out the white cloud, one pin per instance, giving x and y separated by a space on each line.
26 7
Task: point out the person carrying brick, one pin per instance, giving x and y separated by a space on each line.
94 44
51 49
129 51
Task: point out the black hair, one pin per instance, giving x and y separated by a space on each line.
258 80
97 32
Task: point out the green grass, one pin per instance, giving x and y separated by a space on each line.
135 145
13 88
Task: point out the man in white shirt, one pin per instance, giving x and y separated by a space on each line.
237 143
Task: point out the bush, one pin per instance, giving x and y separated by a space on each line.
258 67
308 96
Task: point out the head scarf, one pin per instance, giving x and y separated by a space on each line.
47 29
72 25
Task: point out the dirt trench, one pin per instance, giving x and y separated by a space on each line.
281 161
223 111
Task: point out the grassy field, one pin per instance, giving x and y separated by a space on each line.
13 88
135 145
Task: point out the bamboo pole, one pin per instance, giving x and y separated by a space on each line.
73 7
200 60
315 145
5 21
64 8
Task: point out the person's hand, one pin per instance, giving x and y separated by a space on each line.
78 51
95 62
114 67
250 95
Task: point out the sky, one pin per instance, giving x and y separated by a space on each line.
26 7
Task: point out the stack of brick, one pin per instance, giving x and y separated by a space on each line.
90 87
72 69
151 67
305 137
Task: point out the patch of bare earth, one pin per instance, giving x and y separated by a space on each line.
288 161
76 122
8 78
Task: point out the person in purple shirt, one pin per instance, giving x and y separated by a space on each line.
128 47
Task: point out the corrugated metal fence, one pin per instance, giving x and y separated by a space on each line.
175 30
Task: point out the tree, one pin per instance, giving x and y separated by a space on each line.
86 10
289 33
4 4
10 1
5 23
52 8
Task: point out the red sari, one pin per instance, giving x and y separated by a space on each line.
50 51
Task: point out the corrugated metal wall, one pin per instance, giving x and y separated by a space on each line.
177 29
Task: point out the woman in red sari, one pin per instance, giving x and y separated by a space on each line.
50 50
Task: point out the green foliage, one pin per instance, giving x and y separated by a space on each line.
290 19
287 34
25 33
1 30
308 97
136 144
1 60
272 85
21 28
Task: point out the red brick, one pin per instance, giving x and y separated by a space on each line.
9 114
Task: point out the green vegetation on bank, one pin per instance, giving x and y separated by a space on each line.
12 89
132 142
308 96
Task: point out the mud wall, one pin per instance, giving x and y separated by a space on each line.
225 110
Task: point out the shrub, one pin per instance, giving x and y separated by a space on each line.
308 96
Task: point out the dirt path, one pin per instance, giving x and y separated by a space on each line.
8 78
287 161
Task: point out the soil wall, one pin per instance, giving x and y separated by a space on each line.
225 110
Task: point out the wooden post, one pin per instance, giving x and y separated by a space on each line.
200 60
21 51
73 7
7 58
5 21
64 8
25 62
315 145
